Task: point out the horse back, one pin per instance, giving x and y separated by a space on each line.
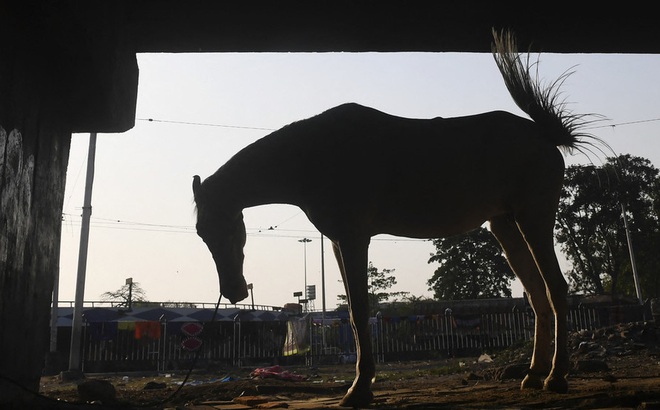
400 172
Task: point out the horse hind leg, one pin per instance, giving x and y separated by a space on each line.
537 229
522 263
352 257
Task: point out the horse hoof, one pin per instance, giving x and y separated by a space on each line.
556 384
532 382
356 400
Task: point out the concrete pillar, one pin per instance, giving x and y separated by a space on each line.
33 160
62 71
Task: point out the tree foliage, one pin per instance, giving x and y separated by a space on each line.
378 284
590 226
472 266
121 295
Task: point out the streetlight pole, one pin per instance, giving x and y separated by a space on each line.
250 287
322 277
305 241
129 282
322 296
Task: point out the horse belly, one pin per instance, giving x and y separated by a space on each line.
444 220
449 203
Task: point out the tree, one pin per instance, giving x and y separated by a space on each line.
127 295
378 283
590 227
472 266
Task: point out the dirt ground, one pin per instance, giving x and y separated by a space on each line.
613 368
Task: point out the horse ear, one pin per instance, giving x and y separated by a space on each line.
197 187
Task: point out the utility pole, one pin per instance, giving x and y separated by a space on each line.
633 265
75 362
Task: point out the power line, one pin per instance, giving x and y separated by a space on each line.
621 124
144 223
205 124
107 223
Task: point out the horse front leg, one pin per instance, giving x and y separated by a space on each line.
352 259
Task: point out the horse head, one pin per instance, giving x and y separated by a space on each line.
223 231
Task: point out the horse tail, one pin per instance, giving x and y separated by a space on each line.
541 102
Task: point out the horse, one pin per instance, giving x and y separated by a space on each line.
369 173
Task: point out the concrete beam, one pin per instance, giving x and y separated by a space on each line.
385 25
75 65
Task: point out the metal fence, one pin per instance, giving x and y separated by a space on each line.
164 346
112 347
449 335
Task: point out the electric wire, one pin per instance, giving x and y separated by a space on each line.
276 232
206 124
621 124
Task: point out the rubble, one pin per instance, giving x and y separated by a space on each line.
97 391
590 351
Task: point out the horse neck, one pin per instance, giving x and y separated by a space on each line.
243 187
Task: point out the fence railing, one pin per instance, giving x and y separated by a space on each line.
162 346
199 305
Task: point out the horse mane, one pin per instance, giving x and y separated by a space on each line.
542 102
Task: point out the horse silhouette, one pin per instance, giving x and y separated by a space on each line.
368 173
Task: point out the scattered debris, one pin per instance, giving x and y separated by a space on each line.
253 401
154 386
277 372
97 391
485 358
590 366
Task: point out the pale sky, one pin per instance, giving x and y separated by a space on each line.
143 211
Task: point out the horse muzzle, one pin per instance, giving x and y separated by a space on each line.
235 290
